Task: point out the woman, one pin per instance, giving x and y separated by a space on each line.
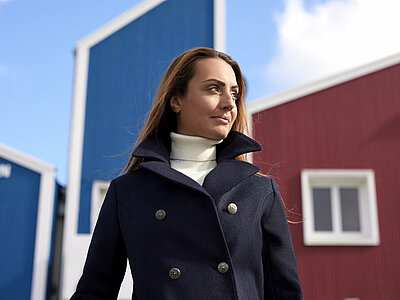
193 217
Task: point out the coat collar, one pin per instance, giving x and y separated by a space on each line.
156 148
235 144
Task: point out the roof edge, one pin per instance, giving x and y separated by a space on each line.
119 22
25 160
324 83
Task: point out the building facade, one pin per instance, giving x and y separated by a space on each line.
333 147
117 72
27 196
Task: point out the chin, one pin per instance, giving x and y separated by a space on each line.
219 135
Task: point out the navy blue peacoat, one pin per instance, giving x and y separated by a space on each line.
185 241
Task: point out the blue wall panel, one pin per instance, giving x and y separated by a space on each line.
19 198
124 71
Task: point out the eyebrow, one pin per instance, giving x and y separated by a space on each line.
219 82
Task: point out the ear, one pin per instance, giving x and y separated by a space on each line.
176 103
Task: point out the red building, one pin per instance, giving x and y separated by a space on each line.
334 148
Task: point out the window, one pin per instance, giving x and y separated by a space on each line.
99 190
339 207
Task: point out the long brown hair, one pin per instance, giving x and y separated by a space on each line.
174 83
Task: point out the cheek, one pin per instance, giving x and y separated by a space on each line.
234 114
234 118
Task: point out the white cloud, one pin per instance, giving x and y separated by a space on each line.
4 1
331 37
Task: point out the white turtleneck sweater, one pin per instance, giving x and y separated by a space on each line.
193 156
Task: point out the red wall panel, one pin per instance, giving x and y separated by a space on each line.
354 125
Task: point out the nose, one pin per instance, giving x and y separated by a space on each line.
227 101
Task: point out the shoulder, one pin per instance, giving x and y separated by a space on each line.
269 189
128 179
266 183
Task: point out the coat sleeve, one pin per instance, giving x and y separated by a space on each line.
106 259
281 280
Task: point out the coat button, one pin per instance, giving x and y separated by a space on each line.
174 273
232 208
160 214
223 267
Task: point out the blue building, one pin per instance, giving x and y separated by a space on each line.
27 197
117 71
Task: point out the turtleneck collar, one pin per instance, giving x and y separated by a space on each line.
157 146
193 148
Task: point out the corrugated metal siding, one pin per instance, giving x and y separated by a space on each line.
124 72
353 125
19 196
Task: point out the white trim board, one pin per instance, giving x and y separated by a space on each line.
44 218
316 86
43 235
220 25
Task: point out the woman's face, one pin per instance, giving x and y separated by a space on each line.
208 108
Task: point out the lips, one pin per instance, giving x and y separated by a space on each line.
222 119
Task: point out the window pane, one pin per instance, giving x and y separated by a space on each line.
322 209
350 211
102 195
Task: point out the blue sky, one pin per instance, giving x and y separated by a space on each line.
279 45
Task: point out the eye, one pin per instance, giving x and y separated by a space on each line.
214 88
235 95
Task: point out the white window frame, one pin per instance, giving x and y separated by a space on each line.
364 180
98 194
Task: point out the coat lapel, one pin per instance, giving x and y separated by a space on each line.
229 172
226 175
163 169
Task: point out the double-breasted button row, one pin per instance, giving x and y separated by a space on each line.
232 208
175 273
160 214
